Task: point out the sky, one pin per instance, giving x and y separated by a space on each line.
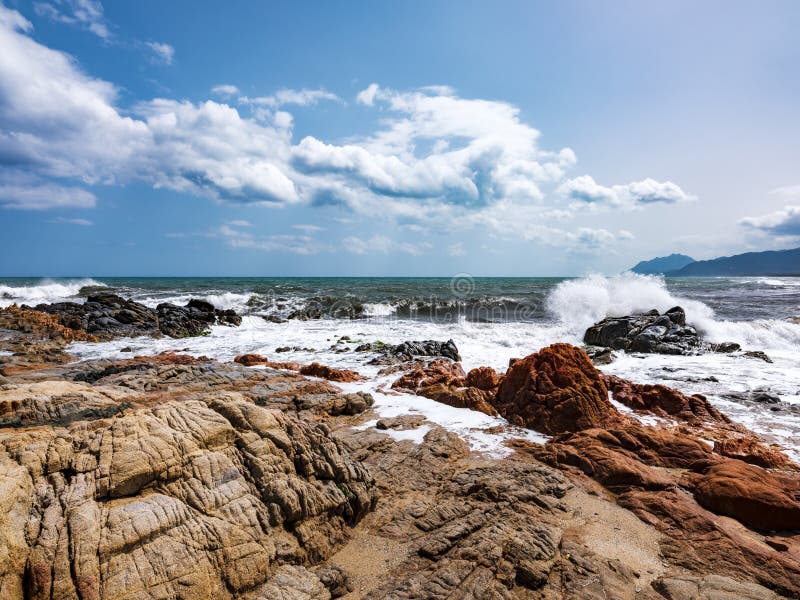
410 138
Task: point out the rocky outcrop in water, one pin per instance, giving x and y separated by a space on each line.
650 332
408 351
107 315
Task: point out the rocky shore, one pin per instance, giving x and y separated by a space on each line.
174 476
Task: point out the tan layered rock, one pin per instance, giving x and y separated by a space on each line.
212 498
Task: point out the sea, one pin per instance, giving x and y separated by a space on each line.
491 320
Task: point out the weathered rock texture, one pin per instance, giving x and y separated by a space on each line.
555 390
157 478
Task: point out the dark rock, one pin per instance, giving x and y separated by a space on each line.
652 333
758 354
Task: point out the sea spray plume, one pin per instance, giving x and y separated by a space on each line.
579 303
46 291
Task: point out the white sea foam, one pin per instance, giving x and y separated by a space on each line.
380 309
575 305
46 291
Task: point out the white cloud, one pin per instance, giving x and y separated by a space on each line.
367 96
380 244
293 244
240 223
86 14
304 97
25 195
162 52
308 228
436 161
82 222
585 190
456 249
784 222
225 90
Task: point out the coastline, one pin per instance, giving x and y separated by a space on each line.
616 489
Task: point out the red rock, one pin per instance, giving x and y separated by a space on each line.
325 372
751 450
460 397
749 494
483 378
440 370
555 390
663 401
252 360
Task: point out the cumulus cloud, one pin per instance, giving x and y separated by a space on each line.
163 53
585 189
435 162
86 14
784 222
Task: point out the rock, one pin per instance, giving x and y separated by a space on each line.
600 356
763 397
108 315
437 371
407 351
710 587
651 332
460 397
401 423
757 354
750 494
555 390
483 378
211 498
41 324
751 450
663 401
725 347
325 372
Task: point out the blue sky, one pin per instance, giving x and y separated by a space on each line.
403 138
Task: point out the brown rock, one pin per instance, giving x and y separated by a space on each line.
750 494
440 370
555 390
483 378
751 450
460 397
325 372
663 401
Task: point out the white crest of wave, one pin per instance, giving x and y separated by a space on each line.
379 310
45 292
579 303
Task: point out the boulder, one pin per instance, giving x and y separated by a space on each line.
749 494
652 333
555 390
663 401
437 371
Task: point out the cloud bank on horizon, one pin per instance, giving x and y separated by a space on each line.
433 162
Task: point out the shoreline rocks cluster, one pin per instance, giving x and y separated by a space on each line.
652 333
185 477
106 315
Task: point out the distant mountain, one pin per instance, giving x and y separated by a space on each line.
662 264
772 262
